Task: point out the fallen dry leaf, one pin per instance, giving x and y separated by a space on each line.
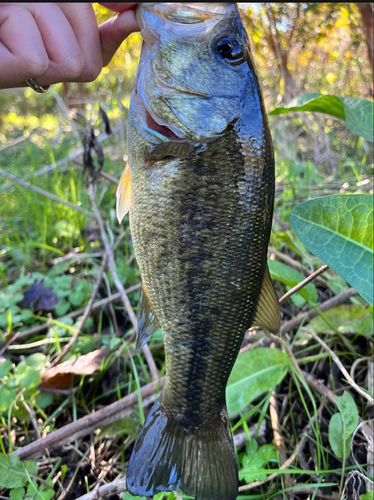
39 298
61 376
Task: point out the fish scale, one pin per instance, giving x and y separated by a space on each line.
200 193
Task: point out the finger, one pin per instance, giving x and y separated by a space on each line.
83 21
66 60
118 7
22 52
114 31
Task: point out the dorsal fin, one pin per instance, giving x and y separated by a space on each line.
268 312
147 321
123 194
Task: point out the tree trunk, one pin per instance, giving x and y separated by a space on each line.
366 11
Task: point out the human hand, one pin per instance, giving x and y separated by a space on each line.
59 42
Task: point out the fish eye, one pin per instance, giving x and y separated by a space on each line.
230 49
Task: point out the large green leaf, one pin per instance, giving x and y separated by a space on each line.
254 372
13 471
358 113
339 230
346 318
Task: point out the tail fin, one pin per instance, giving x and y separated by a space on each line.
167 456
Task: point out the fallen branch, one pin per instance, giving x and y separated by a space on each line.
44 193
86 425
328 304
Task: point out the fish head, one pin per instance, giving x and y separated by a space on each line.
196 74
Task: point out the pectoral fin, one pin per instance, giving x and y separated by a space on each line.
268 313
147 321
123 194
172 149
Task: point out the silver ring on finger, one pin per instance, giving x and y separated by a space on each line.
31 82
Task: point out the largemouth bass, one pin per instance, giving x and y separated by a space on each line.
200 192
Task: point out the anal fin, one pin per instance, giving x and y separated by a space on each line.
147 321
268 312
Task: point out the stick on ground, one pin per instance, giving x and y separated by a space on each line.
86 425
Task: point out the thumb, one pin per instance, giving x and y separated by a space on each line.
114 31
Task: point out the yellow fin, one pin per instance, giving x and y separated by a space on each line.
147 321
268 312
123 194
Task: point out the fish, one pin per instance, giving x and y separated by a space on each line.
199 189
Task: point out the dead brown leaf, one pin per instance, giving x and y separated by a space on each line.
61 376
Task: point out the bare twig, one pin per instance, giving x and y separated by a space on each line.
112 268
319 386
356 362
303 283
87 424
295 264
86 314
59 163
103 174
105 491
22 139
32 416
278 439
111 262
76 255
71 482
301 488
151 362
44 193
110 306
341 367
368 434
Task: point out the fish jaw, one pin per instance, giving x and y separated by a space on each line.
174 80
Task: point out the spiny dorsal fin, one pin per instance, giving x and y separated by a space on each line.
123 194
147 321
268 313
